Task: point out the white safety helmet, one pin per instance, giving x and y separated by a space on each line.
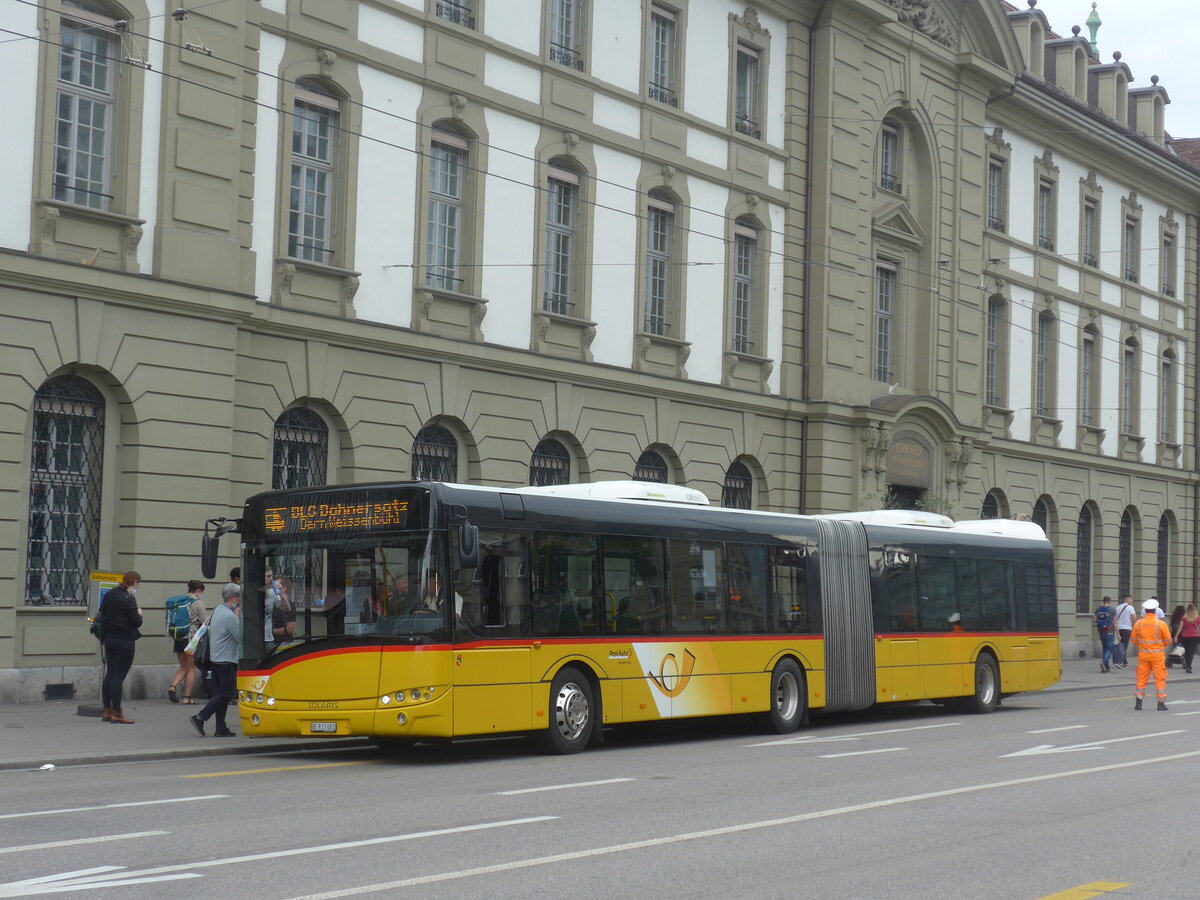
1149 605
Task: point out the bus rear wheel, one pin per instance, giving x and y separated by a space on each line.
987 685
789 697
572 713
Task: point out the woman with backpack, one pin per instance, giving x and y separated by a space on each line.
180 633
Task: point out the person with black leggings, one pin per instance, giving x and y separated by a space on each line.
122 619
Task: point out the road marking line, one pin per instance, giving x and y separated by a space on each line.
1084 891
55 812
812 739
1115 699
365 762
1062 728
860 752
1098 744
733 829
1195 712
89 878
91 840
563 787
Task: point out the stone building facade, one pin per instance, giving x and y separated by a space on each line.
803 256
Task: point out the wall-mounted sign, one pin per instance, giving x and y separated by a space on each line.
910 461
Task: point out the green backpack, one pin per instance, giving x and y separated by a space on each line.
179 616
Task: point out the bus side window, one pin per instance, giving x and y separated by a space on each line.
697 586
564 584
967 593
997 607
495 593
900 589
746 575
790 613
633 575
935 580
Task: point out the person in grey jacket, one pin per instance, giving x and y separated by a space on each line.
224 641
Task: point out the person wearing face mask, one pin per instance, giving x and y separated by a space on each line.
225 640
122 619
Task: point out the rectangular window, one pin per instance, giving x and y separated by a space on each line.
885 298
443 236
889 158
744 253
1130 250
660 227
1045 214
314 122
992 355
1041 366
792 609
83 115
566 33
1128 386
1087 375
632 569
460 12
697 586
1168 265
1089 234
746 90
661 64
1166 401
562 193
995 195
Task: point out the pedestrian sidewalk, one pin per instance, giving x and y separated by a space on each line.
64 732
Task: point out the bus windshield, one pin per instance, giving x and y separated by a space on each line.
308 589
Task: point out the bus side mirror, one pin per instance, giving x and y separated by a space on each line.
208 555
468 546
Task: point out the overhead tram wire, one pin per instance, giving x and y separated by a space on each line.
779 257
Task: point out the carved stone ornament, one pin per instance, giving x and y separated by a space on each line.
328 59
132 236
542 326
749 21
50 215
752 202
589 335
286 272
350 285
668 173
571 140
921 15
996 139
458 105
1091 185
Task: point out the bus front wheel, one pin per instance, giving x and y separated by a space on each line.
788 697
572 712
987 685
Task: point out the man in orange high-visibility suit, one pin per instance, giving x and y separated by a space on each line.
1151 637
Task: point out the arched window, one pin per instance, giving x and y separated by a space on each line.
1125 554
550 464
64 491
1163 582
738 490
1041 516
1083 561
435 455
301 453
994 506
650 467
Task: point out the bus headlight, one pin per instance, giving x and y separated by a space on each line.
385 699
416 693
270 701
255 719
401 719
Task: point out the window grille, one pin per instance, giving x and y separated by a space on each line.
447 171
551 464
64 492
737 492
435 455
314 126
301 452
650 467
991 507
1125 554
458 13
1164 561
1041 516
83 114
1083 561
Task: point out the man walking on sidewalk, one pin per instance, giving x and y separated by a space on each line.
225 638
1106 625
1125 619
1152 638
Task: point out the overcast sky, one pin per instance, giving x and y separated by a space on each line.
1155 37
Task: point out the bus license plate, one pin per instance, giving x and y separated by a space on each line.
322 727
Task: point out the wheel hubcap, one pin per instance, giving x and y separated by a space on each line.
986 684
571 713
787 695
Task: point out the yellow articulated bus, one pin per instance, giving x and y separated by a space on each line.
422 610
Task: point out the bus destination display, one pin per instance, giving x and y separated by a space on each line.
335 516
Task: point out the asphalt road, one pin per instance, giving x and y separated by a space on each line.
1066 795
